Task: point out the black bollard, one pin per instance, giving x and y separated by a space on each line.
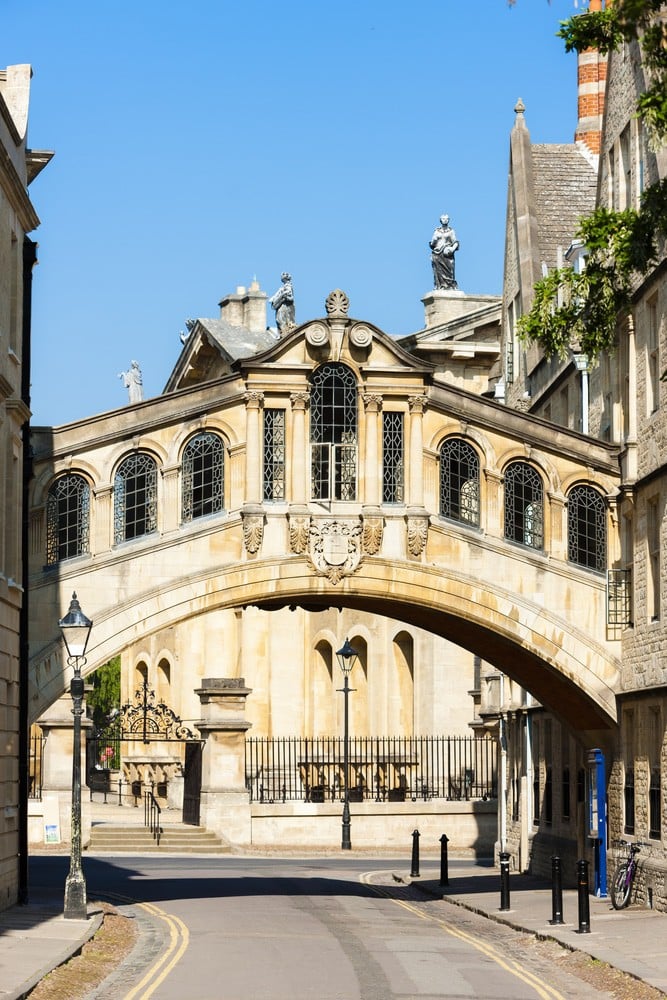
444 865
504 880
414 871
556 892
583 892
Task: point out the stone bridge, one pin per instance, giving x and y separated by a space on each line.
345 473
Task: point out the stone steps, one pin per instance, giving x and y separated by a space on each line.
176 839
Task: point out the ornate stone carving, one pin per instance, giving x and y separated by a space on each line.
253 400
299 530
417 404
253 531
372 402
317 335
337 304
371 535
361 335
299 400
417 534
335 548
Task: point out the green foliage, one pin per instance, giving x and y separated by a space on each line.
583 308
105 695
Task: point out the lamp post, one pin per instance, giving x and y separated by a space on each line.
347 657
75 629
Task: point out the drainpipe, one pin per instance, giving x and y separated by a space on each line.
581 364
29 260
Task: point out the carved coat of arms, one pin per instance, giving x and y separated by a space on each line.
335 548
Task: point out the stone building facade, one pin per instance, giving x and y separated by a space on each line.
19 165
623 401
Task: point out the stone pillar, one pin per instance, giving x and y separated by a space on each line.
168 511
225 802
57 725
494 510
371 479
416 454
299 459
253 462
103 527
555 533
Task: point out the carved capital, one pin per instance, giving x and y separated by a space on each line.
417 404
417 535
299 400
372 402
253 531
253 400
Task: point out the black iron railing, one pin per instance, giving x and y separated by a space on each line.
380 768
152 816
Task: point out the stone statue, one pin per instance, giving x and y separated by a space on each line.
283 303
133 382
443 246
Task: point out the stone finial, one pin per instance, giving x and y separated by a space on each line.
519 110
337 304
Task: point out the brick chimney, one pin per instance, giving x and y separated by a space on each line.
591 85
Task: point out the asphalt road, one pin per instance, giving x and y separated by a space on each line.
320 929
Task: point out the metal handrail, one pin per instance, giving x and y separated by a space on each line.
152 816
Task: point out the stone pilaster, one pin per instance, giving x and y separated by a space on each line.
299 464
225 803
254 402
417 406
168 510
371 479
103 519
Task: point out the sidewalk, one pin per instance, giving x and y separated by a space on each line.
36 938
632 940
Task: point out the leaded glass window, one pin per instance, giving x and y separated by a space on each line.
524 505
203 476
587 528
393 469
67 518
333 433
274 454
459 482
135 498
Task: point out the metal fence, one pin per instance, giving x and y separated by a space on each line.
380 768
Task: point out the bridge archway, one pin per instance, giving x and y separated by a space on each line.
562 667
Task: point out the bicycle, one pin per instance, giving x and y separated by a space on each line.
624 875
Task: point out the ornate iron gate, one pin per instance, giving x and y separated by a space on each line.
146 720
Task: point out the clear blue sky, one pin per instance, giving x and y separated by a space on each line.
201 144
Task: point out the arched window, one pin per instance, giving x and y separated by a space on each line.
524 505
333 433
67 518
135 498
459 482
587 528
203 476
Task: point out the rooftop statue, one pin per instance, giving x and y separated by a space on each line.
283 303
133 382
444 245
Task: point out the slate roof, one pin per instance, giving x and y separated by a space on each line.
565 189
237 341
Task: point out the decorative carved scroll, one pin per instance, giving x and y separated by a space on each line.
417 534
299 530
371 535
361 335
317 335
253 531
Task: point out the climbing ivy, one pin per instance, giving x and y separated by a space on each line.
621 245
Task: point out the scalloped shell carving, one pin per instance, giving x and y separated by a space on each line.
337 303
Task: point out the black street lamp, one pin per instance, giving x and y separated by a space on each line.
347 657
75 628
